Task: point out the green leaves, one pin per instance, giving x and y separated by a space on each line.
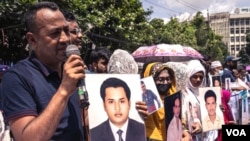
117 24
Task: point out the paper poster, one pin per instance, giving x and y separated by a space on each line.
211 114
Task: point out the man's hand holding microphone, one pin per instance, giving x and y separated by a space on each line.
74 74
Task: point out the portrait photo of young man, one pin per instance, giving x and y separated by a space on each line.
212 116
172 105
116 124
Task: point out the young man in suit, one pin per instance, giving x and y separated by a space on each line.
115 94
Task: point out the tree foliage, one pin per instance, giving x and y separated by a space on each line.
116 24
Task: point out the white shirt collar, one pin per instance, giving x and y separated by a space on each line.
115 129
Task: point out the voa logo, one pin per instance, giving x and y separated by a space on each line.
236 132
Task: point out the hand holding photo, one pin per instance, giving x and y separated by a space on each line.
150 94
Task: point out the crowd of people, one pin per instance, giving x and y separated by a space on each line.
39 94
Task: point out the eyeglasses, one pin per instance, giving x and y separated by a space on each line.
162 79
76 31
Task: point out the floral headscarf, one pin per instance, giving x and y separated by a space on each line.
156 68
122 62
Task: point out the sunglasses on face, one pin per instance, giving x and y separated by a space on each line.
76 31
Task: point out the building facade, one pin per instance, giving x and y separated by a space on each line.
233 28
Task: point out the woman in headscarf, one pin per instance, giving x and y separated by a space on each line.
122 62
166 85
195 79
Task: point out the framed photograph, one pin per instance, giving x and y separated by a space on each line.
216 81
228 83
211 114
244 108
112 100
235 105
172 107
150 94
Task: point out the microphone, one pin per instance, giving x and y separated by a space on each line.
82 91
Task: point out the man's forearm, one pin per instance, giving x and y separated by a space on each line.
45 124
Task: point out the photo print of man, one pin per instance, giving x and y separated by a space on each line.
172 106
216 81
150 94
112 113
244 109
212 116
227 83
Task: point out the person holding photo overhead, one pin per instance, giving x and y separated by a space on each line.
149 97
115 94
213 120
174 131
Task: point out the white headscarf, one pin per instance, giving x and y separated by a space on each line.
194 66
122 62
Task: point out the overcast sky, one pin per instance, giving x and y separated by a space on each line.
168 8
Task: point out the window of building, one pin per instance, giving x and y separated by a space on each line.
247 21
237 31
243 38
242 30
236 22
232 39
232 47
237 39
231 30
247 30
238 48
242 22
244 9
231 22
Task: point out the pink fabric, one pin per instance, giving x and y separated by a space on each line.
248 68
228 116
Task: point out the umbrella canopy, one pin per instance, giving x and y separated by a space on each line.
192 52
161 53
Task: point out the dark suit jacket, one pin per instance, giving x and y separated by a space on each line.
103 132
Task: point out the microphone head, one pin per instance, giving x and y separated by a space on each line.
72 49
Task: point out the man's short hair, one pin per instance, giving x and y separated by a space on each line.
30 16
114 82
100 53
70 17
175 98
142 82
210 93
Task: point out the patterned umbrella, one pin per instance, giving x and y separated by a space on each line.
192 52
161 53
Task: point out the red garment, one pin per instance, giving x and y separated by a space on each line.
228 116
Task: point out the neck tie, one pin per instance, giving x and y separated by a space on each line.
119 132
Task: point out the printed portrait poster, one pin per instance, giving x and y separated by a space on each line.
234 103
228 83
172 107
118 114
150 94
244 109
216 81
211 114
